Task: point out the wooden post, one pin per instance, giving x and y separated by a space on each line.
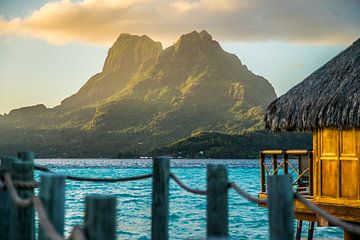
217 201
286 163
5 200
22 219
262 172
298 230
160 199
100 217
275 164
311 174
26 156
311 230
280 202
52 194
350 236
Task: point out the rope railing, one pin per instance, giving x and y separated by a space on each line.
187 188
21 185
246 195
88 179
76 234
327 216
44 221
13 193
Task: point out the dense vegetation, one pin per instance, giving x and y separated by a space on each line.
216 145
80 144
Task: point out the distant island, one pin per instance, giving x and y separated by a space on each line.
191 99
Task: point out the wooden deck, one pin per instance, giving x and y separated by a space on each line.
346 212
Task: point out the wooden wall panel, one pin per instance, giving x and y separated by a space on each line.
349 179
348 143
329 143
329 177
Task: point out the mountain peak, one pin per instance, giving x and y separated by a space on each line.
195 36
130 47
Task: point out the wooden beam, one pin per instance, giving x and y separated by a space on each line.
280 202
217 201
160 199
52 195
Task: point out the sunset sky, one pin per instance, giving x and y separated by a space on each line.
49 49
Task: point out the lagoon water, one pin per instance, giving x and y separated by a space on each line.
187 211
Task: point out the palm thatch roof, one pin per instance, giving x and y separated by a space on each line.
328 98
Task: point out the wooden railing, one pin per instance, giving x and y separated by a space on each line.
18 202
280 160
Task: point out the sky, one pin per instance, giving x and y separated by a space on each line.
49 49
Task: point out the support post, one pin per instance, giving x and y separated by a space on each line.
217 201
262 172
280 202
298 230
52 194
350 236
286 163
160 199
100 217
23 219
311 230
311 175
5 200
275 164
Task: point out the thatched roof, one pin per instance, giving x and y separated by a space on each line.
329 97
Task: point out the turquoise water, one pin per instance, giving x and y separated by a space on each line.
187 211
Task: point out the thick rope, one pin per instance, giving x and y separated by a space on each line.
330 218
13 193
87 179
246 195
76 234
44 221
186 188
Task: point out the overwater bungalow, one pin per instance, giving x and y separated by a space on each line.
327 103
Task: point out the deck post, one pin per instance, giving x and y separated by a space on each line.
311 175
217 202
52 195
23 219
5 200
100 217
286 163
160 199
280 202
311 230
275 163
262 172
298 230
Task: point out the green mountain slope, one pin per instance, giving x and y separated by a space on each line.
150 97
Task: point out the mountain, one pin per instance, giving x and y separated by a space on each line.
146 97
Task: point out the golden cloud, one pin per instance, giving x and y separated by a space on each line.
100 22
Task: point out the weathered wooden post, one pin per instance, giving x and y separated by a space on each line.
160 199
22 218
262 172
275 164
217 202
286 163
52 195
280 202
100 217
5 200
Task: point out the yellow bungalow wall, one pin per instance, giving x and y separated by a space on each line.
336 165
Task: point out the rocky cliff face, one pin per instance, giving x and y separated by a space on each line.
193 85
129 56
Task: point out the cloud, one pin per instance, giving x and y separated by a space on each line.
100 22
